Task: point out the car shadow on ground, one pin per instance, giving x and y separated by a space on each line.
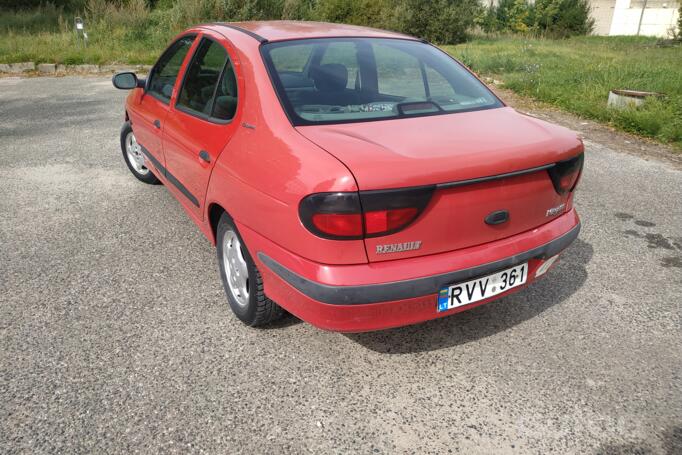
558 285
671 443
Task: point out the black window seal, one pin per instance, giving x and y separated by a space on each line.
253 35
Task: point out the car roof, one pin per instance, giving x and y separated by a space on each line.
288 30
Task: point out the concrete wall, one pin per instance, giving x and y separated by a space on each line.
656 21
602 13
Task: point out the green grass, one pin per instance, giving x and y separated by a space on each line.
125 34
576 75
66 48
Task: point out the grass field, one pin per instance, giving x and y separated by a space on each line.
116 35
576 75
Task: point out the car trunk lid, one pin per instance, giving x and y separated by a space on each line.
488 164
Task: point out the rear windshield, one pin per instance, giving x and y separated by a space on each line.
339 80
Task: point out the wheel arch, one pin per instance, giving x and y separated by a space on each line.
214 212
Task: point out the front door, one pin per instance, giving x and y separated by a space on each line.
150 113
200 124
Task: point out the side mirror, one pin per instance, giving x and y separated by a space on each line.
127 81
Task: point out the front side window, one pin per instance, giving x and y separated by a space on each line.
165 72
341 80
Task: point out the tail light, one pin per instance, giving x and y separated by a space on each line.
564 174
333 215
357 215
389 211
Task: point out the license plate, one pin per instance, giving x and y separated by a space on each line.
481 288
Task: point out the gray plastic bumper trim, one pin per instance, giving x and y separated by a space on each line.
417 287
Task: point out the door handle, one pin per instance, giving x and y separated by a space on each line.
157 123
205 156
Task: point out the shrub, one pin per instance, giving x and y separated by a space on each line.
42 18
552 18
562 18
514 15
358 12
439 21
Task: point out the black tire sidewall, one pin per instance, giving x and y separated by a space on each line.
149 177
247 313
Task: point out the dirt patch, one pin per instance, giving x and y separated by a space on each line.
594 131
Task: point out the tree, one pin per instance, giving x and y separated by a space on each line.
439 21
562 18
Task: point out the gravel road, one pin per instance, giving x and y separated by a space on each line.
116 336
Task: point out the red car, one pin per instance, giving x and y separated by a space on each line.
357 178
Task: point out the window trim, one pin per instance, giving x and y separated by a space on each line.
296 121
201 115
155 95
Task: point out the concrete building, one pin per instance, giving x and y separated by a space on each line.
635 17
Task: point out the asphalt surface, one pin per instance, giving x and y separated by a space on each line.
116 336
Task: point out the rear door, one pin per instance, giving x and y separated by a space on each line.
149 115
202 121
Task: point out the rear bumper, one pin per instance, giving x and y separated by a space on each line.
374 296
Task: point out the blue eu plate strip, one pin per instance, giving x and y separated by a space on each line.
443 299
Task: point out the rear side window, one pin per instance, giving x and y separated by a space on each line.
166 70
203 73
225 104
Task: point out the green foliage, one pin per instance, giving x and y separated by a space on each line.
562 18
18 5
439 21
553 18
41 18
514 15
576 74
442 21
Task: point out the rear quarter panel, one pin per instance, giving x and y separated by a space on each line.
268 167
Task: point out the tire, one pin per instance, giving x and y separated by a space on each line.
133 157
248 301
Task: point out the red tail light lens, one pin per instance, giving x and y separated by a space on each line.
389 220
332 215
339 224
390 211
565 174
344 216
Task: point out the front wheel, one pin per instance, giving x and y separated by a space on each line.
241 279
132 154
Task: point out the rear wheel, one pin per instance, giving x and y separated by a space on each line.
132 154
241 279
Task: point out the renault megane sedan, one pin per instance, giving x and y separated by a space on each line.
357 178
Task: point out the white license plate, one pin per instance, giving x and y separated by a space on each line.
472 291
